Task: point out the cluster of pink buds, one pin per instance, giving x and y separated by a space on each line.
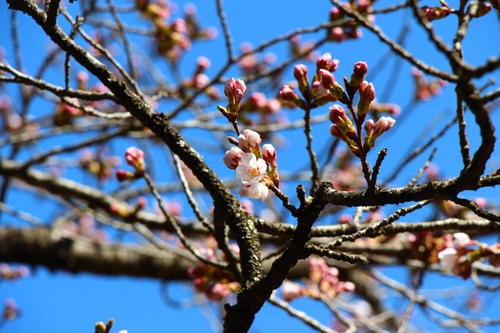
256 168
425 89
64 114
13 273
98 163
374 130
215 283
323 89
258 103
173 38
457 258
234 90
86 226
436 13
347 28
323 282
135 158
251 65
200 79
349 131
10 310
122 211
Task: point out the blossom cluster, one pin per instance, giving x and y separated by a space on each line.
323 282
481 8
257 103
425 89
213 282
200 80
11 310
173 38
256 167
251 64
457 258
349 130
348 28
8 272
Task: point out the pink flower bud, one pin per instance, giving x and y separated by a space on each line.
273 105
383 124
249 140
135 158
335 131
203 63
269 154
337 34
337 114
121 175
235 90
141 203
358 75
300 74
287 94
82 79
233 157
366 91
480 202
369 126
200 80
335 14
326 62
327 78
258 100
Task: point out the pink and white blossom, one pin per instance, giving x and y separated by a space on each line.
460 240
249 140
251 170
232 159
448 258
258 191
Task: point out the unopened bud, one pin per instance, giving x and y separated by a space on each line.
269 154
135 158
326 62
287 94
335 14
358 74
300 74
232 159
249 141
337 114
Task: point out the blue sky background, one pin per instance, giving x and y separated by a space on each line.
58 302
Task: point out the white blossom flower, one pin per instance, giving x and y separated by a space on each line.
460 239
448 258
256 190
251 170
